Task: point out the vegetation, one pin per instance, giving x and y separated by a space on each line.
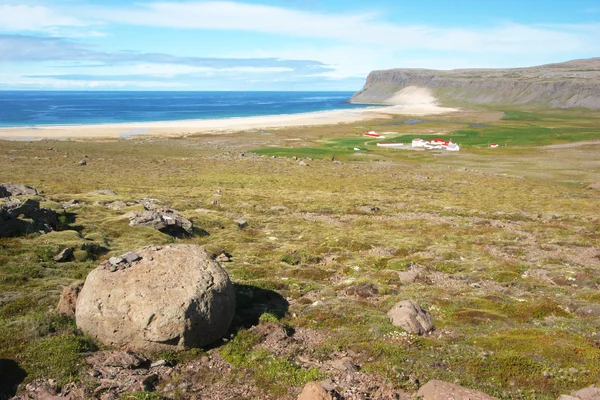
507 241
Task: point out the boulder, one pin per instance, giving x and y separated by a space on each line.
409 315
16 189
241 223
172 298
116 205
68 299
438 390
165 220
314 391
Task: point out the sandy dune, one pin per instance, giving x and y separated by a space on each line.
419 107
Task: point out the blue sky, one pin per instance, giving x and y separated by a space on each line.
277 44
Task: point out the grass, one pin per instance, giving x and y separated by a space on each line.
477 224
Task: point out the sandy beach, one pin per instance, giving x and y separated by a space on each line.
225 125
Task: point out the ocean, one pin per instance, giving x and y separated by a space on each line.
36 108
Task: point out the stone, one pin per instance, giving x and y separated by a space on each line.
82 162
303 164
125 359
176 297
409 315
16 189
64 255
314 391
223 257
439 390
165 220
116 205
68 299
131 257
345 364
589 393
23 216
241 223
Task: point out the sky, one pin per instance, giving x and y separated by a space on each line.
277 44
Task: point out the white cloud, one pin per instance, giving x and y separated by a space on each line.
33 18
366 28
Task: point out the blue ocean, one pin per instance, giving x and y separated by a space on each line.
34 108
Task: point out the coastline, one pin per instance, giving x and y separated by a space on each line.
214 126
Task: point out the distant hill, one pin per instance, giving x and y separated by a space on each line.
563 85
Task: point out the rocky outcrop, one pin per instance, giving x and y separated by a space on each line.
564 85
411 317
438 390
20 216
170 298
16 189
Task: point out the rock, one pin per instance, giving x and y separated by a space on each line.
71 203
116 205
24 216
16 189
64 255
68 299
589 393
130 257
241 223
303 164
105 192
165 220
345 364
368 209
82 162
314 391
125 359
408 276
223 257
411 317
438 390
175 297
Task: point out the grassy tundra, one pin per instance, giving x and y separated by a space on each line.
506 242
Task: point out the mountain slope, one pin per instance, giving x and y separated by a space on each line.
563 85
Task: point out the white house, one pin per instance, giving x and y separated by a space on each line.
419 142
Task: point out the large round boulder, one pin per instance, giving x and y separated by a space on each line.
157 298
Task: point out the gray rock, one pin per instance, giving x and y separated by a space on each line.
23 216
64 255
175 298
241 223
438 390
165 220
116 205
303 164
68 299
409 315
82 162
131 257
16 189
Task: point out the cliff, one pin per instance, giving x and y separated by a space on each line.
563 85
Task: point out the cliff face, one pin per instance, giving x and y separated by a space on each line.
565 85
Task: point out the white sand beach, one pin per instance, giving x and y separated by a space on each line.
225 125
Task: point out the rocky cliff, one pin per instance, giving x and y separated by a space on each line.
563 85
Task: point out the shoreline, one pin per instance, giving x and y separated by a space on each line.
214 126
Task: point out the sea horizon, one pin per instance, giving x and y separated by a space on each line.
32 108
